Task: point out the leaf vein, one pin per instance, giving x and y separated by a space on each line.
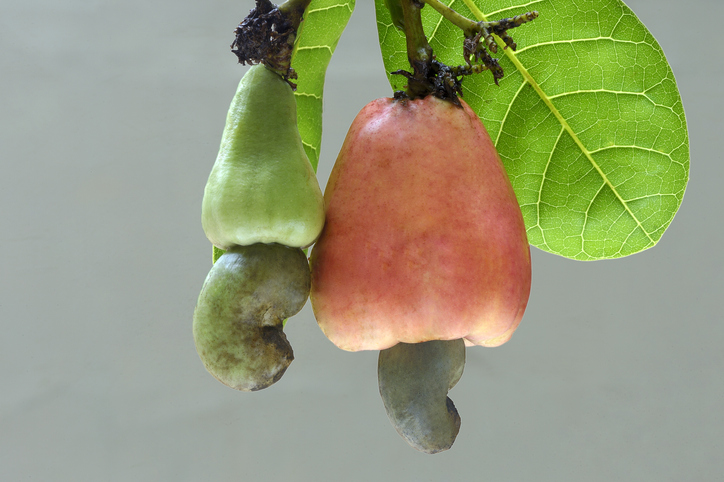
615 92
308 94
652 195
543 180
508 110
515 7
311 146
579 40
330 7
316 47
640 148
439 22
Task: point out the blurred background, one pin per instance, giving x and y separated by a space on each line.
110 118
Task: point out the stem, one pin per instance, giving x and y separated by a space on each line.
293 10
419 52
468 26
430 76
267 36
471 28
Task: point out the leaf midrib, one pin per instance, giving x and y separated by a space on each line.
546 99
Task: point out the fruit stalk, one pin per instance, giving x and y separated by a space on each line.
294 10
267 36
419 52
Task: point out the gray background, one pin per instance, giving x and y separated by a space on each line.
110 120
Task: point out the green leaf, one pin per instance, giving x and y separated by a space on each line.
317 38
216 253
588 120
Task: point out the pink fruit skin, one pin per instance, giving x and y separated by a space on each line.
424 239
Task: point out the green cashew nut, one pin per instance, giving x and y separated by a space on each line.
262 188
238 320
414 381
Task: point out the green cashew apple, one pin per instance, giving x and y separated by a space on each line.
238 320
262 188
414 380
424 238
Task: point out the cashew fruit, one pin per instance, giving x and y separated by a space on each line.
238 320
262 188
424 238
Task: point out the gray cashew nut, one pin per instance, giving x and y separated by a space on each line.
414 381
238 320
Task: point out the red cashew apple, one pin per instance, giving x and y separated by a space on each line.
424 239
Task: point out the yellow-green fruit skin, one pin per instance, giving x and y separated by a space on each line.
262 188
